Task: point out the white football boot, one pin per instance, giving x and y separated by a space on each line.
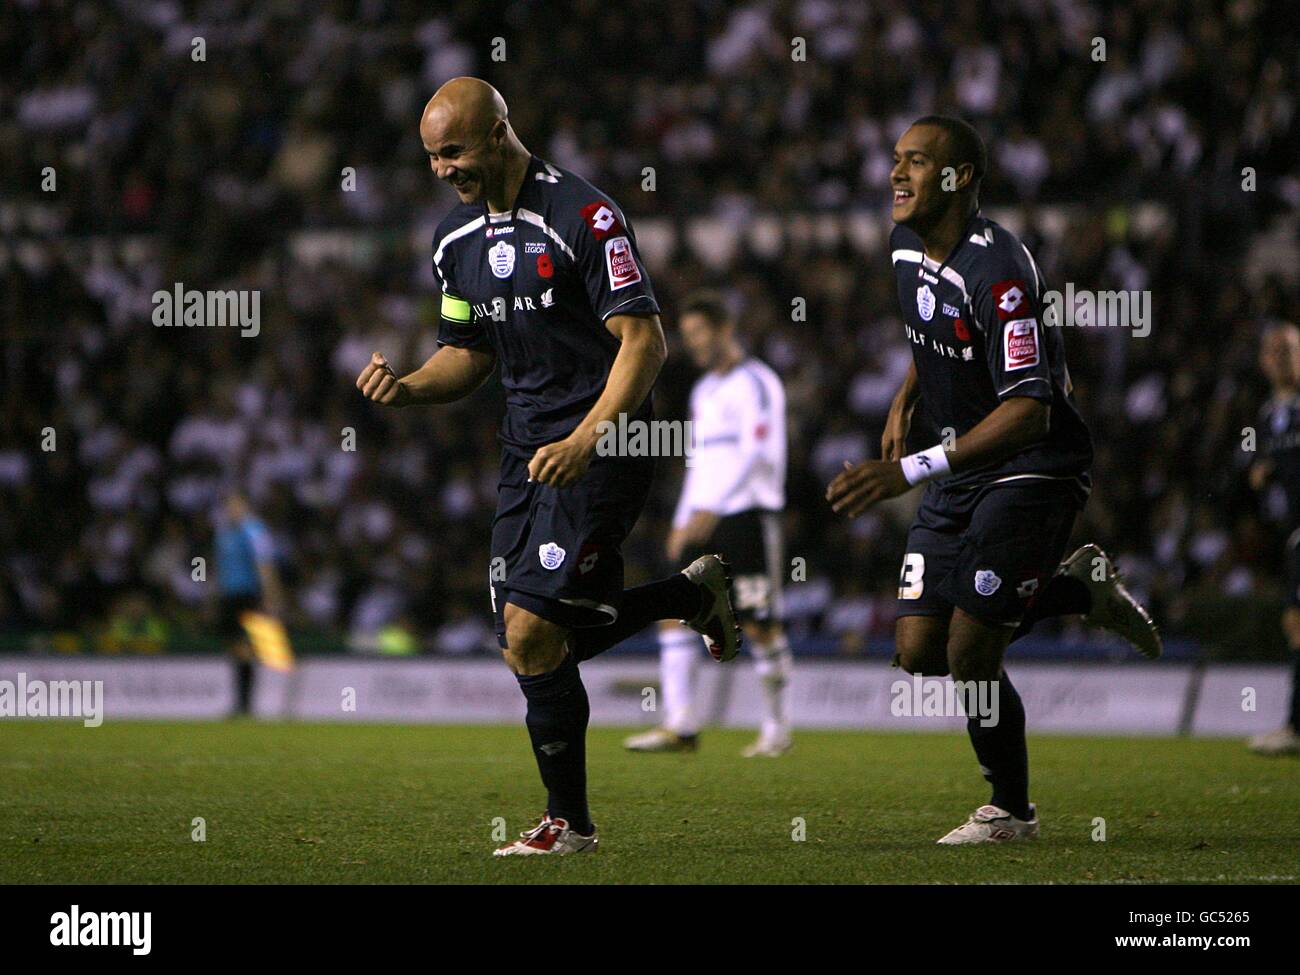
549 837
769 745
716 621
1113 606
661 740
1282 742
989 824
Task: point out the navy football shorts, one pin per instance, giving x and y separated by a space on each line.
987 551
555 552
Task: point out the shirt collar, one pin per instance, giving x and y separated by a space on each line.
521 199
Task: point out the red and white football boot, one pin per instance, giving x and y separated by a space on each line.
716 620
550 836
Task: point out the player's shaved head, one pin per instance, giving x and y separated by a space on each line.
960 143
462 105
938 164
466 132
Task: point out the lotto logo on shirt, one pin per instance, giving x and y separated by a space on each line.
1020 344
620 263
600 217
1009 299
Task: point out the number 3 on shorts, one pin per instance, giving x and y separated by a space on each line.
911 580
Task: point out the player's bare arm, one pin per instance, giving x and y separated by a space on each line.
893 442
640 357
1014 425
450 374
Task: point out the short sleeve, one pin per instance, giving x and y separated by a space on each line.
1012 323
456 325
611 267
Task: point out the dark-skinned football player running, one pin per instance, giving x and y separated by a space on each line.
1004 458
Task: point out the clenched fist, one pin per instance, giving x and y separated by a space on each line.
379 383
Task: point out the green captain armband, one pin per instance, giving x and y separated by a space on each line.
455 309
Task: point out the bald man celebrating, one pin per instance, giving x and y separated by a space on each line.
540 274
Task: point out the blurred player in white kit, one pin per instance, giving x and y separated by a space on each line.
731 502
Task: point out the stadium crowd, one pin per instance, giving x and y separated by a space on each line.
286 159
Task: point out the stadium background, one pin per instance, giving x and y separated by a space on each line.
769 181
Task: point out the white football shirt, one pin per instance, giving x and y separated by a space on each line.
738 426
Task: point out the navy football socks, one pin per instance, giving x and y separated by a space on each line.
1002 752
1062 596
558 711
674 598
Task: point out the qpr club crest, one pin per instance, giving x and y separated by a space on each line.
501 258
986 582
552 555
925 302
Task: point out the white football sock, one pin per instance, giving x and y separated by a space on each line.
774 662
679 649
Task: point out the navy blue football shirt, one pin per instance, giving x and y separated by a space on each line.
975 324
535 285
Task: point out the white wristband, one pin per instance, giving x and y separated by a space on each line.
925 465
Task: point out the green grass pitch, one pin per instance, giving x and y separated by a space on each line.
314 803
